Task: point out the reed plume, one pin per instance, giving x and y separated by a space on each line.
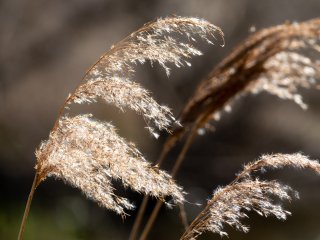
278 60
110 79
89 154
229 204
96 147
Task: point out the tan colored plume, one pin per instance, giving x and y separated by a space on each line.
111 77
279 60
89 154
229 205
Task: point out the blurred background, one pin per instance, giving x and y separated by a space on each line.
46 46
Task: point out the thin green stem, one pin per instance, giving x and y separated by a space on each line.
27 209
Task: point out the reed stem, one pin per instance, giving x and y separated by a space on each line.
27 208
137 223
174 171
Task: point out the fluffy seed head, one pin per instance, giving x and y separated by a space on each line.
278 60
228 205
89 154
111 77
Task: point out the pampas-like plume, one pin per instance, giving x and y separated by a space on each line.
229 204
276 161
278 60
88 154
110 78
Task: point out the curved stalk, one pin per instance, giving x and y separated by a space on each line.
168 145
174 171
27 208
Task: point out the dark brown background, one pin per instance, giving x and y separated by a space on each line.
46 46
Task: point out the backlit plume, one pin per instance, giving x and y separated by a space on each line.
279 60
89 154
112 74
229 205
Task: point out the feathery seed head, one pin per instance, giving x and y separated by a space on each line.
228 205
276 161
278 60
110 78
88 154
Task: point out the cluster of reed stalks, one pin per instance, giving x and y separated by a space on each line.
88 154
